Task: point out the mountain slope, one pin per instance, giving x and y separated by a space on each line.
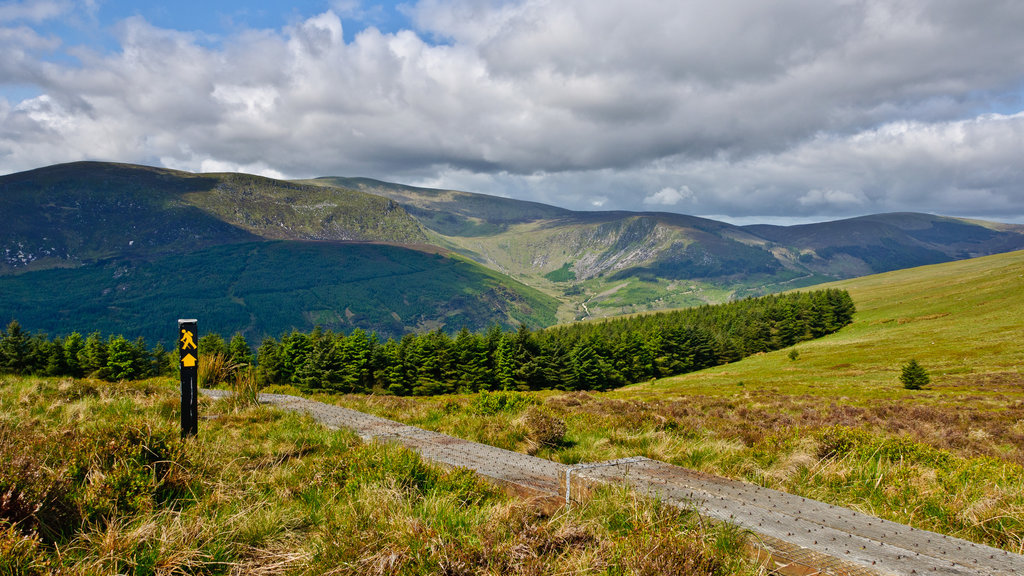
607 263
125 249
961 320
70 214
452 212
884 242
268 288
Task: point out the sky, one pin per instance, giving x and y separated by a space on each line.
742 110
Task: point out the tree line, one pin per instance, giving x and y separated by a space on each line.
112 358
581 356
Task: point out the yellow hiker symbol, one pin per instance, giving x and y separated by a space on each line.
186 340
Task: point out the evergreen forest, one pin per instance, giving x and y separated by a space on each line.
581 356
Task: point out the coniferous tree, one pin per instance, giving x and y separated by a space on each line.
56 363
914 376
73 345
161 361
93 356
15 350
472 368
322 368
396 376
356 353
294 351
120 359
211 344
239 352
504 366
268 367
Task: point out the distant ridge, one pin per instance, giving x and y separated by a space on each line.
607 263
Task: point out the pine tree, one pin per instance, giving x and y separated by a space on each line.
56 363
268 369
294 351
73 345
15 349
504 365
356 352
211 344
239 352
93 356
120 359
914 376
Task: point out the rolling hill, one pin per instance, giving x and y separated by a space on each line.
961 320
73 214
270 288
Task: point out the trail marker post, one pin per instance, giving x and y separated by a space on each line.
188 351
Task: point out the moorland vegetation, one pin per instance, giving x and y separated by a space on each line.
828 419
261 491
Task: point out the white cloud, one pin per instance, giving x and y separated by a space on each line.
831 198
33 10
669 196
258 168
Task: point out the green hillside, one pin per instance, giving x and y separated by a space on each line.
268 288
452 212
962 320
73 214
126 249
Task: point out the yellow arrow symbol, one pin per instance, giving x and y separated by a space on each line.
188 361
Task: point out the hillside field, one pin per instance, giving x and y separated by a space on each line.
827 419
962 320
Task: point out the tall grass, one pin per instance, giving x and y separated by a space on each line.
943 469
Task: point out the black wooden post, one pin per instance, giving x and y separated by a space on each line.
188 337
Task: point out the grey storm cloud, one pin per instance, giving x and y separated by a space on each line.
796 108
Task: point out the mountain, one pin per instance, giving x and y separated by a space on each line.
272 255
129 249
608 263
72 214
270 288
452 212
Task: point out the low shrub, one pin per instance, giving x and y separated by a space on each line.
36 489
839 441
487 403
543 429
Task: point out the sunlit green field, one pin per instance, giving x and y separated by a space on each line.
964 321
